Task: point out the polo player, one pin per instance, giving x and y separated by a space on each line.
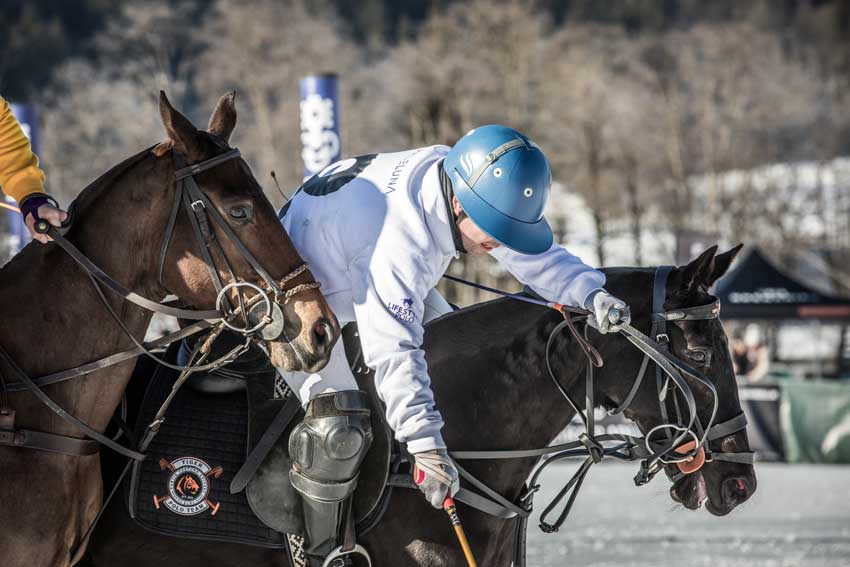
379 231
21 178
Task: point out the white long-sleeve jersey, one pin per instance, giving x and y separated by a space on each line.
375 231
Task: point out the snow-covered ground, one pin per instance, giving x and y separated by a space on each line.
798 517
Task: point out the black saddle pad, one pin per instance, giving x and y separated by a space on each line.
182 488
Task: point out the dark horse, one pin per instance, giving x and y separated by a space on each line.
490 381
53 318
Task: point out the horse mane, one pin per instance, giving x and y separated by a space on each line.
483 308
84 200
462 311
465 325
94 189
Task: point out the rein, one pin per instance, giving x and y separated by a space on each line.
261 315
269 316
654 455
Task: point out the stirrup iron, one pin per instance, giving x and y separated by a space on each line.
336 558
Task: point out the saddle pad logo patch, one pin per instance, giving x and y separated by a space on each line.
188 486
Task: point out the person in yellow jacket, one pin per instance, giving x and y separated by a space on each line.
21 178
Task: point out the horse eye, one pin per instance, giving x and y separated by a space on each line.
240 213
698 356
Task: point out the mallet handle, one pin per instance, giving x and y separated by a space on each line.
451 510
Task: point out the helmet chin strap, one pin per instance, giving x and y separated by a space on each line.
448 195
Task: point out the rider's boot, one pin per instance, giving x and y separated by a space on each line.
327 449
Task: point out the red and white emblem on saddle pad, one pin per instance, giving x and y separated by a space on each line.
188 486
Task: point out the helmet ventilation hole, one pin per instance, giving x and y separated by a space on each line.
528 192
497 172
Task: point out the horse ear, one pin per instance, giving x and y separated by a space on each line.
181 132
223 119
721 265
696 273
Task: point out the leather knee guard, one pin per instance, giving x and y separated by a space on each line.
327 449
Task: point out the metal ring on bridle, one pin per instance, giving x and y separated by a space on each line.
684 456
265 297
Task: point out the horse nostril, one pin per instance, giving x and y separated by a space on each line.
736 489
322 336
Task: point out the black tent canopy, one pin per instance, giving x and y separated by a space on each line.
757 289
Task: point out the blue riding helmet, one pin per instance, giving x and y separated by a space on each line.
502 180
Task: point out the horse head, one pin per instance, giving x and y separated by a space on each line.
309 328
701 343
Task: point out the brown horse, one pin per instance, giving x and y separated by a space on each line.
53 318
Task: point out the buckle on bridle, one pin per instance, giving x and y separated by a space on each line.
7 419
645 474
198 202
594 448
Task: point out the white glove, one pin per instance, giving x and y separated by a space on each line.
607 312
435 475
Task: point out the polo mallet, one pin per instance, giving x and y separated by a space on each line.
451 510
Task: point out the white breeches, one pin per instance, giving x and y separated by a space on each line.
337 376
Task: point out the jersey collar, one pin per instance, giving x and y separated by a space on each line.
440 223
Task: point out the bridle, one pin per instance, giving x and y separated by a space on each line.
262 315
654 455
669 387
265 318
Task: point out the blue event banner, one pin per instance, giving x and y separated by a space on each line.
320 143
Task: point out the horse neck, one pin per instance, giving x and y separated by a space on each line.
53 317
500 396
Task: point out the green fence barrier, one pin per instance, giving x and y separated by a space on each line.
816 421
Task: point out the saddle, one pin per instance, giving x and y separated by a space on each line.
219 467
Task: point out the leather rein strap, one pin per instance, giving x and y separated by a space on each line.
622 447
198 206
